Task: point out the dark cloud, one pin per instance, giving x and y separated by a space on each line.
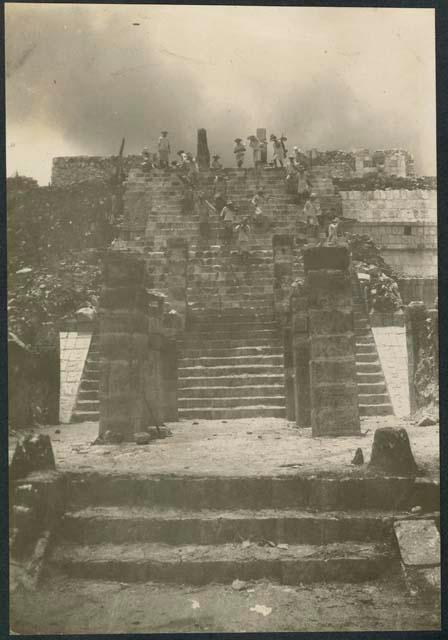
91 75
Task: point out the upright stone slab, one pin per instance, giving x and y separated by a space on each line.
333 388
203 154
124 348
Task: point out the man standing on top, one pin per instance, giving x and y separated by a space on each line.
255 145
220 192
283 139
239 151
333 231
277 148
303 183
291 176
243 231
216 165
312 213
228 217
164 150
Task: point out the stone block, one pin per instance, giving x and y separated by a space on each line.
335 370
419 542
323 322
334 410
332 346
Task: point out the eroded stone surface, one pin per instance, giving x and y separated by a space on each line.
419 542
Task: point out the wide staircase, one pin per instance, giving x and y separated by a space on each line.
87 407
197 530
232 367
232 363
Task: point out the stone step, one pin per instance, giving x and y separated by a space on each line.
371 387
362 357
368 367
90 384
223 371
366 399
365 338
210 352
221 401
193 342
366 348
85 416
231 324
370 378
260 391
83 405
203 361
84 394
202 564
376 409
234 413
130 525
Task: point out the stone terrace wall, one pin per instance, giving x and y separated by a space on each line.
402 222
67 171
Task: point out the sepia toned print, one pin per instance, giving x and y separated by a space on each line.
222 319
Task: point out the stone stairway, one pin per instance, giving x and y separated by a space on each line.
232 366
373 396
87 407
198 530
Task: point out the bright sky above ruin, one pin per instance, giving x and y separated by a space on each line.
80 77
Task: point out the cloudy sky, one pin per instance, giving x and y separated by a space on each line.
80 77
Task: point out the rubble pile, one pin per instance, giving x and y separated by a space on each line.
380 280
54 237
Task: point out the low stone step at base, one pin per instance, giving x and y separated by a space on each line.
202 564
376 410
254 411
128 525
217 402
85 416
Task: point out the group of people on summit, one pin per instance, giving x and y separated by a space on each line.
296 166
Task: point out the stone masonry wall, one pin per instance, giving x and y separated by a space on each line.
67 171
403 223
404 206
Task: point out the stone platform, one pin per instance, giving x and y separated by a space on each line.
246 447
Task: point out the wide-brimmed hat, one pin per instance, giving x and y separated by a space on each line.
252 137
145 150
229 202
238 140
180 152
216 157
313 195
291 157
164 132
272 137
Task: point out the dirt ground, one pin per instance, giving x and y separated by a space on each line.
71 607
245 447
